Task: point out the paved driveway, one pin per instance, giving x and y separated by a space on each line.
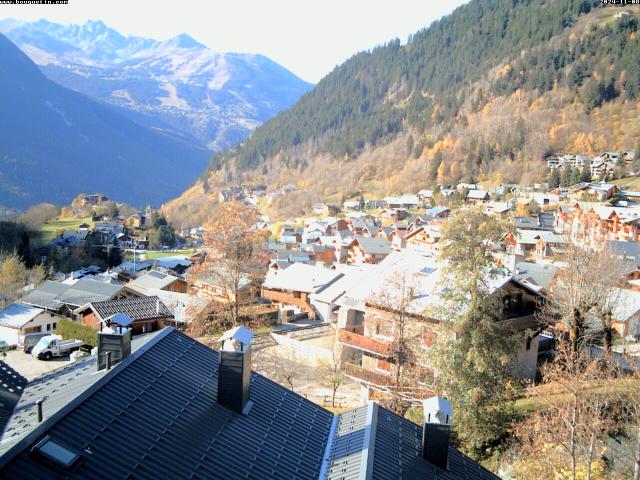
30 367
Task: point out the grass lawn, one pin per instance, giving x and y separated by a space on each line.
49 230
153 254
529 404
628 183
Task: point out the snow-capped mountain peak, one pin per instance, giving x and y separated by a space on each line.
176 84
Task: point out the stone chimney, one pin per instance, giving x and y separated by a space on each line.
435 434
234 371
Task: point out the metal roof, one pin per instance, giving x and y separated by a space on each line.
347 452
120 319
57 388
17 315
398 454
53 295
85 291
371 442
155 415
153 279
138 308
12 385
374 245
46 295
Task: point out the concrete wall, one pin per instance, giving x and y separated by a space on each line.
306 352
44 322
527 360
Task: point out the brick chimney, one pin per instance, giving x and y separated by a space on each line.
234 371
435 434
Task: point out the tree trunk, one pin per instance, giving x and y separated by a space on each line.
607 339
590 455
573 438
576 332
636 467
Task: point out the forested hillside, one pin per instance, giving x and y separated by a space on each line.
482 94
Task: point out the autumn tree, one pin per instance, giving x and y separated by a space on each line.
38 215
573 421
474 353
14 276
235 260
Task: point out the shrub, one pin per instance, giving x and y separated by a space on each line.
69 329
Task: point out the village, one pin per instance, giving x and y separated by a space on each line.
322 293
345 306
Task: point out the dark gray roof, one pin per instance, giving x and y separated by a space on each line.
540 274
138 308
398 454
57 388
371 442
85 291
627 250
374 245
527 223
12 385
53 295
155 415
46 295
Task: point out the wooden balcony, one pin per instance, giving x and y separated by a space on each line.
361 342
367 376
290 299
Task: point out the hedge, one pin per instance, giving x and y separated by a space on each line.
69 329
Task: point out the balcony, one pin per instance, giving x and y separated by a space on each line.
367 376
364 343
290 299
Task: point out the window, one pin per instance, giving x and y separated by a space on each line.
54 325
55 452
48 327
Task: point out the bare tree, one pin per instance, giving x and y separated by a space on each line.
397 321
573 422
331 370
584 297
235 261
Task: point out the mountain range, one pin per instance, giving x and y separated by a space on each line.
481 95
177 85
56 143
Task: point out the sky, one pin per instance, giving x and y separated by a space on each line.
307 37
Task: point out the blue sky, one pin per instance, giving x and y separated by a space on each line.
307 37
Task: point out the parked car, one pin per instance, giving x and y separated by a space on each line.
54 346
31 339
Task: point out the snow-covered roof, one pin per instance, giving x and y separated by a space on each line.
374 245
301 277
406 199
477 194
17 315
351 276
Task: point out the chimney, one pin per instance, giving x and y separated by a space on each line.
114 345
158 306
234 370
435 434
